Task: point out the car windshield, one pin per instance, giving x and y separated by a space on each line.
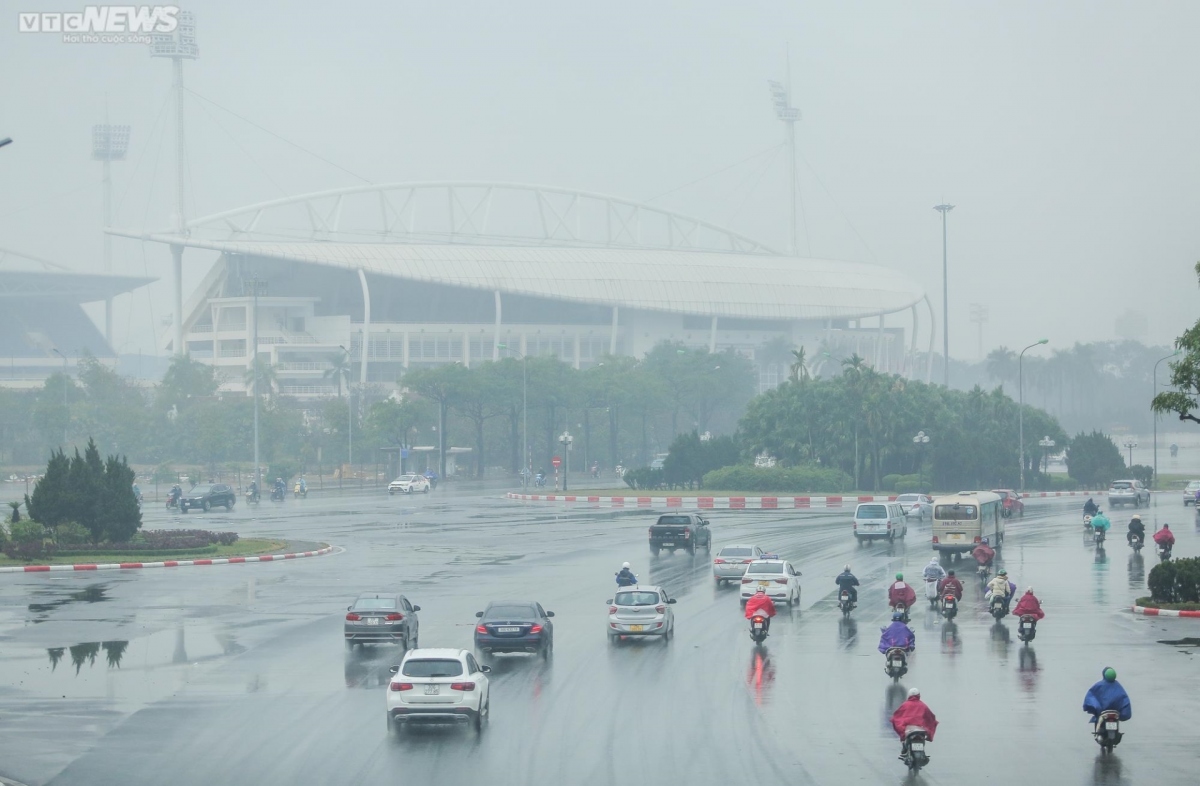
735 551
636 599
908 498
374 604
1195 484
1122 484
956 512
200 489
673 520
407 477
765 567
509 613
432 668
872 512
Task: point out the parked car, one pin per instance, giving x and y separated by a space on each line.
680 531
1189 493
382 618
640 611
515 626
1128 492
438 686
731 561
1012 502
407 484
206 496
916 506
776 576
879 520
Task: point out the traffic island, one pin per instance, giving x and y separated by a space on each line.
252 550
1151 609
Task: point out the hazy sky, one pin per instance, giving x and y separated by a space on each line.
1064 132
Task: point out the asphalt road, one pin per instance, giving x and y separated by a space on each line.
238 674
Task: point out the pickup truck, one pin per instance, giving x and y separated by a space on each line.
680 531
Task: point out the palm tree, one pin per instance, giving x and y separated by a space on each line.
1002 364
799 369
266 378
339 369
854 364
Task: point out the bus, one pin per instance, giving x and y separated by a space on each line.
962 520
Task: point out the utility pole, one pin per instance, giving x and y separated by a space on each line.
979 315
1154 395
256 287
781 94
1021 406
109 143
944 209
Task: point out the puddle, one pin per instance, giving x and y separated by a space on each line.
1187 642
93 593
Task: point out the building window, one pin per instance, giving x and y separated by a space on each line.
233 348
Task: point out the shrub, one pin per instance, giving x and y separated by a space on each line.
913 486
1143 473
644 478
890 481
29 550
27 532
794 480
1175 581
71 534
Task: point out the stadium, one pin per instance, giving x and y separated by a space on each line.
393 277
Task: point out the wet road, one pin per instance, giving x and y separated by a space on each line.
238 674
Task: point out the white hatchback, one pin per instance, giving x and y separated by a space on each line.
407 484
438 686
640 611
777 576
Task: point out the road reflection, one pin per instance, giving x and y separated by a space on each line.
1000 639
951 643
761 675
848 633
1137 571
1106 771
87 652
1027 668
893 696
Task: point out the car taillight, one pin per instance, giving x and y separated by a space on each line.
747 561
718 562
399 686
745 581
856 525
687 535
977 538
889 525
352 617
536 629
935 538
612 609
465 687
781 581
661 609
394 617
481 629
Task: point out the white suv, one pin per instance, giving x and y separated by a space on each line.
1189 493
1128 492
438 686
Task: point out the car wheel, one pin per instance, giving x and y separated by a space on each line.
391 727
350 645
229 507
390 492
183 510
891 537
653 551
426 490
206 506
612 639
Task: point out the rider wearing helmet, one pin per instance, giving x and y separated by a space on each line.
626 577
1001 587
911 715
899 592
1105 695
1029 605
983 553
950 585
846 581
1136 527
761 603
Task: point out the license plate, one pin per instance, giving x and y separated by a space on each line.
668 544
956 538
918 746
1111 725
764 583
431 690
508 630
372 620
636 628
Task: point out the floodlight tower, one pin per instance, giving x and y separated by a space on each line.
109 143
789 115
178 46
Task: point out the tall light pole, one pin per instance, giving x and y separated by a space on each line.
1154 395
109 143
944 209
566 440
781 94
349 412
525 461
1046 443
256 287
979 315
921 440
1130 444
66 405
1021 408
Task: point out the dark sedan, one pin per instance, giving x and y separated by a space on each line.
206 496
382 618
515 626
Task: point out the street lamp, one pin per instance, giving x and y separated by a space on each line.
349 412
524 418
1021 408
921 440
1154 480
1046 443
66 406
565 439
944 209
1130 444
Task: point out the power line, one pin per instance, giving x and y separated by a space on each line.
757 180
246 152
772 149
836 204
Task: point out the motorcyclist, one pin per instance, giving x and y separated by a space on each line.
303 485
983 553
137 492
1029 605
761 603
846 581
252 491
279 487
1164 537
1136 527
897 635
900 592
913 714
1001 587
1090 508
952 585
432 477
626 577
1100 522
1105 695
934 570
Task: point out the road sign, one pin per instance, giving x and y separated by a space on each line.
556 461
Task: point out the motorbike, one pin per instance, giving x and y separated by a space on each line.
300 491
433 481
758 628
172 500
277 494
915 756
251 497
1098 538
949 606
1107 731
982 571
539 480
1164 551
996 608
931 592
1087 521
844 603
1027 628
900 607
895 662
1135 542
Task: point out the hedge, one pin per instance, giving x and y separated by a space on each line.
786 480
1175 581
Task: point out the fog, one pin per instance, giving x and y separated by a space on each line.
1063 133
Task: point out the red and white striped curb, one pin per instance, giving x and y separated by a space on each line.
185 563
731 503
1064 494
1165 612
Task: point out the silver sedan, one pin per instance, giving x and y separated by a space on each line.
731 561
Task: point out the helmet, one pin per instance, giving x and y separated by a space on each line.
625 565
846 568
1134 517
1110 674
984 541
897 616
760 591
1029 590
950 572
1166 526
914 693
933 561
1003 572
899 577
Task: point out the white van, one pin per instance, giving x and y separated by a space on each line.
962 520
879 520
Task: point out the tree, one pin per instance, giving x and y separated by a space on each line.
186 378
689 458
441 385
48 504
1094 459
339 370
267 378
475 400
1185 376
799 368
118 514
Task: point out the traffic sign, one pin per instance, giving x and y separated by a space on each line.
556 461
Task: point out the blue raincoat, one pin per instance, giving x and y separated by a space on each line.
1100 521
897 635
1107 696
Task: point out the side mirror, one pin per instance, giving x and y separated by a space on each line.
486 669
416 608
479 614
394 669
672 600
349 608
609 601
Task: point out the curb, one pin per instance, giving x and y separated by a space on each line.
1165 612
705 503
188 563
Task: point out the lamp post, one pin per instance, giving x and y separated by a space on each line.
944 209
1021 408
1130 444
1154 395
921 440
524 418
257 287
566 440
1046 443
349 412
66 406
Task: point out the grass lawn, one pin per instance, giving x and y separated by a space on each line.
628 492
245 547
1147 603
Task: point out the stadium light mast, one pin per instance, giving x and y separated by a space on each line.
109 143
944 209
781 94
178 46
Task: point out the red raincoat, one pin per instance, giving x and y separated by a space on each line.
913 712
983 554
1028 604
950 584
759 602
900 592
1164 536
